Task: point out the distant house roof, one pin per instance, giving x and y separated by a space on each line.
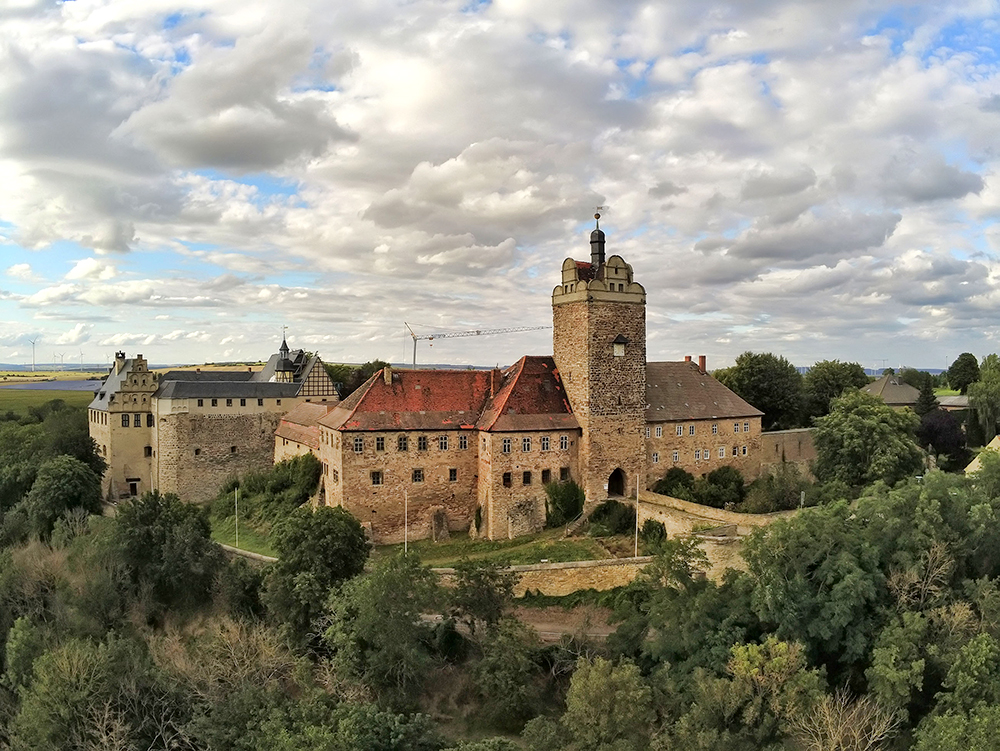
526 396
952 403
677 391
893 390
301 424
225 390
975 465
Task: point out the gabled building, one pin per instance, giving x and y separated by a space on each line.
432 450
894 391
188 431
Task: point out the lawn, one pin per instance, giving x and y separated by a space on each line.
224 531
946 392
18 400
551 545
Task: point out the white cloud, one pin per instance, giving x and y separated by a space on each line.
79 334
20 271
91 268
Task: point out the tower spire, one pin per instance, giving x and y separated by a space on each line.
597 243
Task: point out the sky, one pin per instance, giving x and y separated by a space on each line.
184 179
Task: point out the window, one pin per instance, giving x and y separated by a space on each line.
746 427
402 444
197 452
715 428
260 402
697 455
659 431
505 446
278 402
421 443
647 431
137 420
232 449
418 475
722 452
564 442
379 443
526 478
201 402
677 456
335 475
215 402
545 443
564 474
680 430
690 429
743 450
736 427
463 442
506 479
736 450
706 454
125 419
526 443
656 458
443 443
618 349
452 474
229 402
243 402
149 420
359 444
376 477
147 451
546 476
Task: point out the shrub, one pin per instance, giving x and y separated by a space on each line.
612 518
676 483
653 533
563 504
266 497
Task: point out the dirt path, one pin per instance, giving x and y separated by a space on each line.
553 623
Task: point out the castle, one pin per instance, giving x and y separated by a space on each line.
422 451
188 431
474 449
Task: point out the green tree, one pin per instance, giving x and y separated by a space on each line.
926 402
963 372
61 484
976 731
166 550
317 550
942 431
608 707
828 379
863 440
984 396
377 632
482 591
350 377
768 382
563 503
504 675
676 482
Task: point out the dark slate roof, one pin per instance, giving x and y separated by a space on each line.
416 400
301 424
531 397
208 375
225 390
893 390
678 391
111 385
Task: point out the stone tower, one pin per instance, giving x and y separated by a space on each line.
599 344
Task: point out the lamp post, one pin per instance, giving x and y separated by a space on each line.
237 516
636 553
406 520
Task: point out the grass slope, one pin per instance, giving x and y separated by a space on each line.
19 400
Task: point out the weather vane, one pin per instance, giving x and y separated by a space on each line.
597 214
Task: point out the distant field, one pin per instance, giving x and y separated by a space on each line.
26 376
19 400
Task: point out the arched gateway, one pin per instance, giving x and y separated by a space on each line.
616 484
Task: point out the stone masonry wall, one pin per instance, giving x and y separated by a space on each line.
285 449
789 446
660 449
197 453
382 508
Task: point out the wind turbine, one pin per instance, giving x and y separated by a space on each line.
33 352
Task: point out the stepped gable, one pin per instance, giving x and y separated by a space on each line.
530 397
414 400
680 392
301 424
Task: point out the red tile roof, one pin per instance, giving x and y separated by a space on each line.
526 396
531 398
677 391
301 424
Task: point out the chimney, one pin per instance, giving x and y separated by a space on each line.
387 375
495 381
701 363
119 361
687 358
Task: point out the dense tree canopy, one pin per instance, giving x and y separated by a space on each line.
62 483
984 396
963 372
768 382
863 440
828 379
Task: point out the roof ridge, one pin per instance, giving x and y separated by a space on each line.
499 411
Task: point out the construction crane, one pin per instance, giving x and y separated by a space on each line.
458 334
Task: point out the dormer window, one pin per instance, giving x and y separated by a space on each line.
618 346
